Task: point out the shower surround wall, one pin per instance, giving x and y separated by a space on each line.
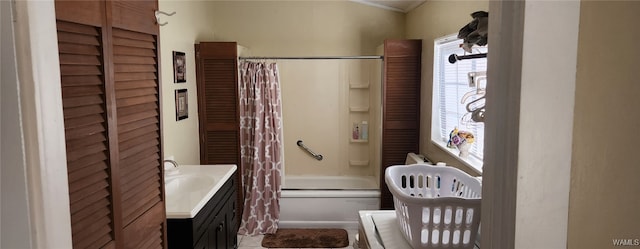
267 28
322 99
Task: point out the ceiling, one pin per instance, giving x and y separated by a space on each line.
396 5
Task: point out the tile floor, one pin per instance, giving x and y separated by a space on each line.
253 242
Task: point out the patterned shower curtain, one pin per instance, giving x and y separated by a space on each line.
261 146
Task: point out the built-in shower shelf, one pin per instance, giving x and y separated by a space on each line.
359 163
359 86
359 140
359 109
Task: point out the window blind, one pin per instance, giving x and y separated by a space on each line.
451 83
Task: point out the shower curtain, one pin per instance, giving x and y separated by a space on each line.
261 146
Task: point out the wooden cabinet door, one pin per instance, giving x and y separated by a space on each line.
231 226
109 73
232 219
218 231
217 80
202 243
218 113
401 107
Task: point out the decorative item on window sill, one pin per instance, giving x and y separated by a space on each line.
461 140
474 33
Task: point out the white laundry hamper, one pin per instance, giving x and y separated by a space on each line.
436 206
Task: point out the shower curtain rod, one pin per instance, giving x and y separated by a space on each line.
315 58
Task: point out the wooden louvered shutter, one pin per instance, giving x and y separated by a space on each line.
109 68
217 80
218 94
137 99
401 106
138 125
85 121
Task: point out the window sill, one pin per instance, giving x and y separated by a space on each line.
472 162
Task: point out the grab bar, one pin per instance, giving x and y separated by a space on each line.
313 154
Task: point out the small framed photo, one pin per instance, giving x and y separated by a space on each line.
179 67
182 107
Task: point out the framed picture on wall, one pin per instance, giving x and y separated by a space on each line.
179 67
182 107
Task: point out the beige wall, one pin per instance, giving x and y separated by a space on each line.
604 191
429 21
280 28
189 25
305 28
316 101
315 94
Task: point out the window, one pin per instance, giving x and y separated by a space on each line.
450 84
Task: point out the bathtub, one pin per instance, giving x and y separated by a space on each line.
326 201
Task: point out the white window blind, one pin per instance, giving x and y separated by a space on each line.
450 84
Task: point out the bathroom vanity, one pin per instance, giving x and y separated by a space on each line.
201 204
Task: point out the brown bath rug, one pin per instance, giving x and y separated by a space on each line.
306 238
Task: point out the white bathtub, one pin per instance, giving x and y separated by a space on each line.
326 201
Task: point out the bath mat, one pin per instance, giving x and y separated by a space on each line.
306 238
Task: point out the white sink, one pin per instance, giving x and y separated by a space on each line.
187 183
189 187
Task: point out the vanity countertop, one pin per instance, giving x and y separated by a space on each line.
189 187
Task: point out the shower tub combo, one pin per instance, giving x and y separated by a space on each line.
326 201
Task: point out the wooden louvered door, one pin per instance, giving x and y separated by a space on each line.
138 125
85 120
109 69
134 41
217 80
218 99
401 107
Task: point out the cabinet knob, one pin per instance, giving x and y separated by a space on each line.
220 227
